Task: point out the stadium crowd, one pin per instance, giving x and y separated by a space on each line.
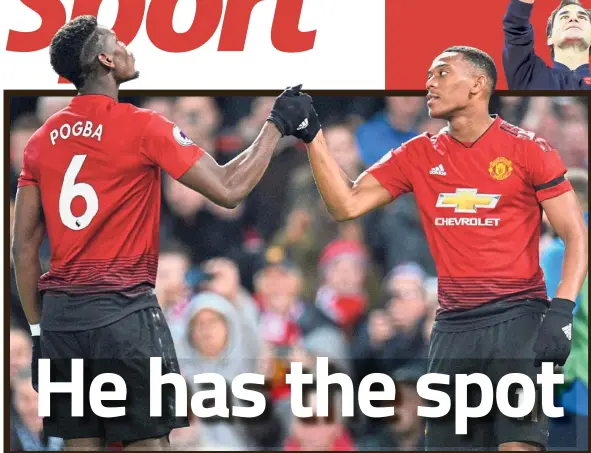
276 279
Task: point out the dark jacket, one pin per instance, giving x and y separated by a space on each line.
524 70
395 353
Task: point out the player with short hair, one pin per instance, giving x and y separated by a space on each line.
568 33
480 185
91 180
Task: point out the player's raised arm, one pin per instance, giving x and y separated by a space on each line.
227 185
344 198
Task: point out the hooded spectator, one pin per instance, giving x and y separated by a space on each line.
217 339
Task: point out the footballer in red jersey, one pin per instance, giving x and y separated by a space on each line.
481 186
91 181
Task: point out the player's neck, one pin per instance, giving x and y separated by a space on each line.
572 56
469 127
102 87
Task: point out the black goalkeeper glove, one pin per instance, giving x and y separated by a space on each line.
554 337
290 110
309 128
35 360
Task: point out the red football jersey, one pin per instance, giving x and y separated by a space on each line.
480 206
98 167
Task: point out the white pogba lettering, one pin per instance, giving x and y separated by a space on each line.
79 129
466 221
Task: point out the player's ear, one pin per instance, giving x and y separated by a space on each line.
550 41
106 60
479 84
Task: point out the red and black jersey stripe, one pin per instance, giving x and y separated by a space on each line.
463 293
121 275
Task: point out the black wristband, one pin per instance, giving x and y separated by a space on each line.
279 124
562 305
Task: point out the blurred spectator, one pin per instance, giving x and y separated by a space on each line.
570 109
161 105
288 321
573 144
409 244
225 281
513 108
292 329
391 337
171 286
218 340
309 227
200 118
405 430
48 105
26 429
320 433
207 230
342 296
20 351
265 206
390 128
250 125
277 286
408 428
20 133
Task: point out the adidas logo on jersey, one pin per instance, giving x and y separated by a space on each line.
439 170
303 125
567 331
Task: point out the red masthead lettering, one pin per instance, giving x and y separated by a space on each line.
53 16
285 34
163 36
235 26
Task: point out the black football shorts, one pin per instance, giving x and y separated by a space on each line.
495 350
124 348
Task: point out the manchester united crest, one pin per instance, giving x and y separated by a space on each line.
500 168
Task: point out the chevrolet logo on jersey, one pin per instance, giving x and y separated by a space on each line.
467 200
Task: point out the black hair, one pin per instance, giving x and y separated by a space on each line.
74 48
479 59
550 23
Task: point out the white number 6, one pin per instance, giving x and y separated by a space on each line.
70 190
